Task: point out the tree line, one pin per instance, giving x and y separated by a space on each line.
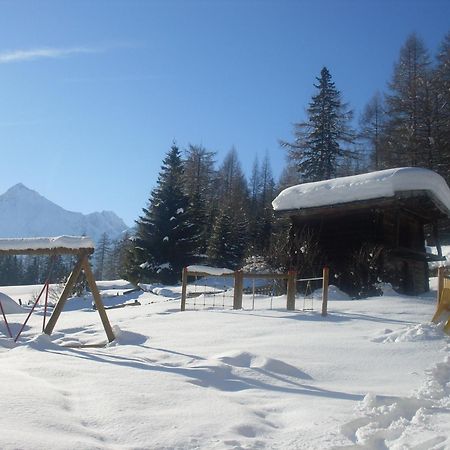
201 212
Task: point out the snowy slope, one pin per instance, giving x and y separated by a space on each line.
374 374
26 213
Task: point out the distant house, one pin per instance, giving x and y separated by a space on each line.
371 226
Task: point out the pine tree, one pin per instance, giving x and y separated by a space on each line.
318 146
166 237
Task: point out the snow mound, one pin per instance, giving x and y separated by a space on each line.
165 292
9 305
399 422
334 293
412 333
249 360
388 290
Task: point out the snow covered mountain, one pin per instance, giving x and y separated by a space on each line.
26 213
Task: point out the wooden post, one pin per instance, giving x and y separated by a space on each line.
326 275
97 299
440 286
238 288
183 289
291 290
64 296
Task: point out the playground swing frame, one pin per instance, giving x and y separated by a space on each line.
81 248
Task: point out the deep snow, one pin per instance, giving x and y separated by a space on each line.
374 374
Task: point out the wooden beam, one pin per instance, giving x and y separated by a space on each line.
291 290
97 299
238 289
184 277
64 296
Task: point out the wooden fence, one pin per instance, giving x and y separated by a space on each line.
443 297
239 275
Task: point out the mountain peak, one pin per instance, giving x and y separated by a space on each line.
28 214
19 187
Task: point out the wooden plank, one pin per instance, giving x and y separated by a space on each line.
64 296
97 299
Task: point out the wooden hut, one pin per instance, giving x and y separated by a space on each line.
372 225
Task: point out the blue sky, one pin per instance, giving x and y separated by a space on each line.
92 93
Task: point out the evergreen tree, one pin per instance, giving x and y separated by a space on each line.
199 174
318 146
409 120
101 256
166 237
228 241
231 202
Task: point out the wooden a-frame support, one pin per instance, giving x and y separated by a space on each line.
81 265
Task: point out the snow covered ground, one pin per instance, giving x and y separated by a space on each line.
374 374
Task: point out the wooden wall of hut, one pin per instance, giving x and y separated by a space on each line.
369 245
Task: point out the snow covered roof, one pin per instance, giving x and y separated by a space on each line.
69 243
384 183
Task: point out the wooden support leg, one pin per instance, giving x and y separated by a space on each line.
326 276
64 296
238 287
97 299
184 289
291 290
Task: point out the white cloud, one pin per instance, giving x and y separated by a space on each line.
13 56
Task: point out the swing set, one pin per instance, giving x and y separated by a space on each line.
81 248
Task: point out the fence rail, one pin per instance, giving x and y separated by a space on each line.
239 275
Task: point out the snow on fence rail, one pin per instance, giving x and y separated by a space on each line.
238 277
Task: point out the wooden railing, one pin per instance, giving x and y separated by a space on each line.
239 275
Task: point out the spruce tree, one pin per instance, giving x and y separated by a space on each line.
231 204
228 241
318 148
199 174
166 237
